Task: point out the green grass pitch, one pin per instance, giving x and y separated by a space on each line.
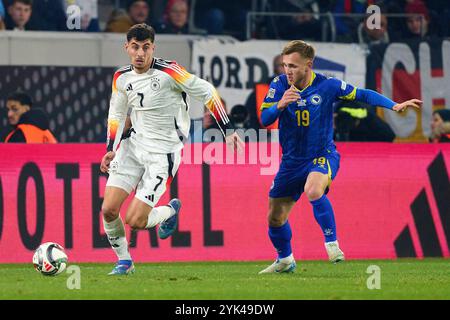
399 279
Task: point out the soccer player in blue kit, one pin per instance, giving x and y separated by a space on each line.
303 100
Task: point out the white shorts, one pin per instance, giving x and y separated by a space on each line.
148 173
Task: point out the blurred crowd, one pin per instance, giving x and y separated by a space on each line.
307 19
319 20
353 121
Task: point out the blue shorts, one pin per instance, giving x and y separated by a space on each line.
291 177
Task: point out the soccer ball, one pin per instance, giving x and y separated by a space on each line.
50 259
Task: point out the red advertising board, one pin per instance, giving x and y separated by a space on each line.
390 200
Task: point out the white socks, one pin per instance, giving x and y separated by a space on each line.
158 215
115 231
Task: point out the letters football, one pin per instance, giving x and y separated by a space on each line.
50 259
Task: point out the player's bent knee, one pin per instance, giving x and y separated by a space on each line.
314 192
136 222
110 213
275 220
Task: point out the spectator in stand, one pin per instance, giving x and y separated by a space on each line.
2 16
137 12
240 117
19 12
158 11
440 12
344 25
396 24
278 67
354 121
176 21
369 35
209 17
118 21
89 14
306 25
28 125
48 15
440 126
251 104
417 26
222 17
2 10
436 11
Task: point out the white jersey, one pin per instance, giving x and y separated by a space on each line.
158 106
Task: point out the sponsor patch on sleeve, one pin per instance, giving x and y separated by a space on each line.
271 93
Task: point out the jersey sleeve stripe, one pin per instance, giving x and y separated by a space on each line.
113 126
215 105
266 105
117 74
216 111
350 96
223 114
114 85
178 73
222 111
178 68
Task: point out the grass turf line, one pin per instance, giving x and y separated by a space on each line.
400 279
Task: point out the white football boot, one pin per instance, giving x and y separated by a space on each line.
335 254
285 265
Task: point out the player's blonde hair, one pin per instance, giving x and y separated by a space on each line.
304 49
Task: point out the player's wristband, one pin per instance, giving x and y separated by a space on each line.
227 129
110 146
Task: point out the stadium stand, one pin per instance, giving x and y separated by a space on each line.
75 98
76 94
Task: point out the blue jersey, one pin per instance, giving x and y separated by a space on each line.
306 126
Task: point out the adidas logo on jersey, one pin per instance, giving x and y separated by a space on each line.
130 87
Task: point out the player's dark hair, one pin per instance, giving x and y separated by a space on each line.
443 113
21 97
25 2
301 47
141 32
131 2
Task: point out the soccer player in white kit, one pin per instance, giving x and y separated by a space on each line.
148 160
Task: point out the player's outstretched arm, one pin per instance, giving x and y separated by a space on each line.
413 103
376 99
217 109
199 89
205 92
